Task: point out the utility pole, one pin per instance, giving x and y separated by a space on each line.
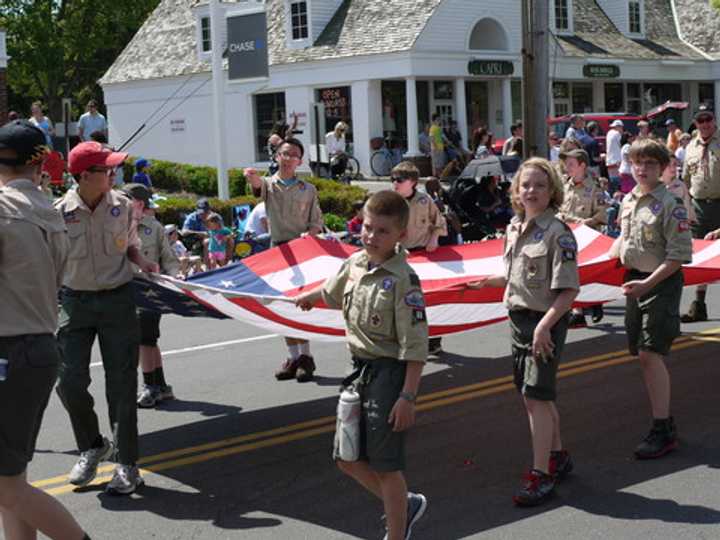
218 80
536 60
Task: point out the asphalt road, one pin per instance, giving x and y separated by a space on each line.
239 455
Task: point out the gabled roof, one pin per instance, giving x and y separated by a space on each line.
165 46
596 36
700 25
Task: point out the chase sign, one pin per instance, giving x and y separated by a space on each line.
247 46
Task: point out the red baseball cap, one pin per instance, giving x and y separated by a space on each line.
91 154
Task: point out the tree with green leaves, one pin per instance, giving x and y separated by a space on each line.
715 4
60 48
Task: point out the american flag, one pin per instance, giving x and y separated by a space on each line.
258 289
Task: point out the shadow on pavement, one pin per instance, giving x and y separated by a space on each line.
467 458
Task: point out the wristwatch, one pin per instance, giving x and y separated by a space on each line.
407 396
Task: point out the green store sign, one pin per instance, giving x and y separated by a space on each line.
490 68
601 71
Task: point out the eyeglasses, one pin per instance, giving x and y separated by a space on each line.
109 171
704 119
646 163
399 179
290 156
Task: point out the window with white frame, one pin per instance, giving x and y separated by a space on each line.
562 15
299 20
634 17
205 37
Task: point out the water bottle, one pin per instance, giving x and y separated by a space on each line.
348 425
3 369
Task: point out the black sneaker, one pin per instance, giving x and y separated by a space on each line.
597 313
696 313
661 440
561 464
417 504
305 368
577 320
538 487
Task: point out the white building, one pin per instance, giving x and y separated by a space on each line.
384 66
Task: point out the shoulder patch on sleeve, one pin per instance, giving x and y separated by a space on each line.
415 299
567 242
414 280
680 213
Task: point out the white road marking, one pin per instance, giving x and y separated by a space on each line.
208 346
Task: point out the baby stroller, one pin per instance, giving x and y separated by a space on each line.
465 193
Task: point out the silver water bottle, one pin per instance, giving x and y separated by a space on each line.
348 425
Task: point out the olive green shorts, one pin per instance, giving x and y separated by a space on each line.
652 321
31 374
379 386
708 217
536 379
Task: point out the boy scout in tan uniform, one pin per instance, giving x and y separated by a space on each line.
386 328
156 248
654 242
33 251
292 210
426 225
701 172
97 300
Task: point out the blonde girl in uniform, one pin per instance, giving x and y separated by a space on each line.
541 282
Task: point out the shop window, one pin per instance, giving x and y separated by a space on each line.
561 98
635 17
269 112
516 99
706 94
205 37
657 94
634 102
614 97
582 97
487 35
476 104
394 113
338 107
422 89
299 20
562 15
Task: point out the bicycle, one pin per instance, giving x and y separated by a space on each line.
350 172
383 160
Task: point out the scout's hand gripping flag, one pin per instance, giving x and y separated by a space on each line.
259 289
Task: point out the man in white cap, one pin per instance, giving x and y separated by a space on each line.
613 153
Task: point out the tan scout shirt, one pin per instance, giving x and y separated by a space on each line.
33 251
653 228
583 201
155 247
678 188
540 261
384 308
703 177
425 219
292 210
99 241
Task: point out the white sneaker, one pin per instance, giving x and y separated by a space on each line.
126 479
147 398
85 470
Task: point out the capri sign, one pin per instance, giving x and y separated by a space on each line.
490 68
601 71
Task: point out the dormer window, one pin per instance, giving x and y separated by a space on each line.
299 20
635 17
562 15
205 37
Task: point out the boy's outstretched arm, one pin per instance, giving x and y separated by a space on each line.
307 300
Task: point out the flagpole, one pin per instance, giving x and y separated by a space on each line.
218 85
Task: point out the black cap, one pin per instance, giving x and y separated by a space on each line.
704 110
140 192
26 140
203 204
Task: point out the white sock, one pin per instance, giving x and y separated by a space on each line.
294 351
305 348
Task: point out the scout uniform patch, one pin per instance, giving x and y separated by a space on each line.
387 284
414 299
115 212
656 207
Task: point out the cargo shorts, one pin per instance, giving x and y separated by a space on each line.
31 374
652 321
379 385
535 378
708 217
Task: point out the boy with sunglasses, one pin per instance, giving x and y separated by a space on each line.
293 211
97 301
426 224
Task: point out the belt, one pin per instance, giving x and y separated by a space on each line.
636 273
74 292
706 201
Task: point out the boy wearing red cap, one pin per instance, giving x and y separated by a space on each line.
97 300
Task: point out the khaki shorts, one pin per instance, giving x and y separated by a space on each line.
438 159
379 386
535 379
31 373
652 322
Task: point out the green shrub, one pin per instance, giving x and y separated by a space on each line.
334 222
176 209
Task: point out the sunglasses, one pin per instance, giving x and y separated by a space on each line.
399 179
